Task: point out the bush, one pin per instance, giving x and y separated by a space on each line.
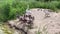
4 12
17 8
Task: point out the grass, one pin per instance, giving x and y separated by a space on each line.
6 29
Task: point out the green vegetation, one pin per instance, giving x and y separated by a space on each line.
9 8
5 30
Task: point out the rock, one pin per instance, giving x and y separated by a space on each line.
49 25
